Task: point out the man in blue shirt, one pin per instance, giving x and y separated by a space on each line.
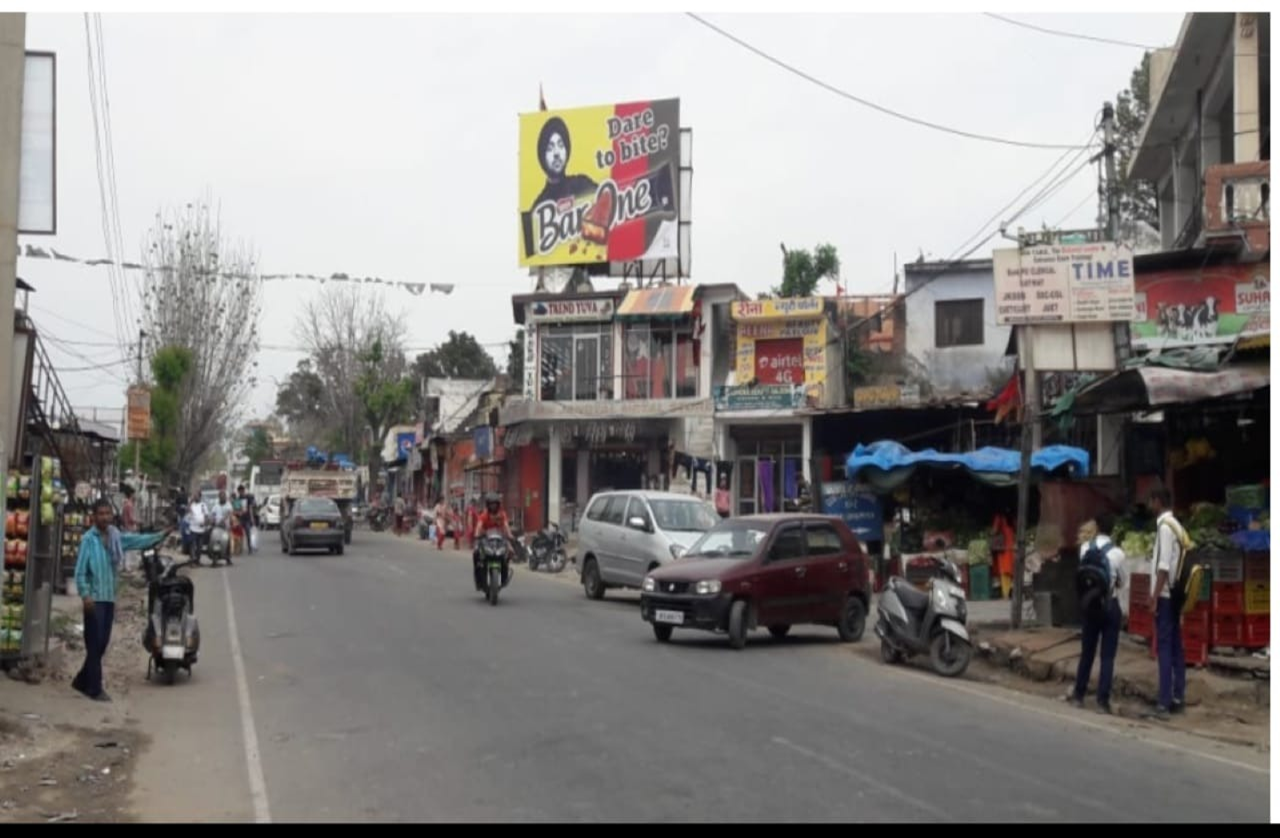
100 559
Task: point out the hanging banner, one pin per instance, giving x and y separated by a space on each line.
1201 306
598 184
139 414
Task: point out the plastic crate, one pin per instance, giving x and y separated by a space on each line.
1228 597
1139 587
1141 623
1228 630
1196 652
1257 567
1257 598
1257 631
1227 568
980 582
1197 626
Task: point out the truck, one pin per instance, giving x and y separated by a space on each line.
265 479
299 480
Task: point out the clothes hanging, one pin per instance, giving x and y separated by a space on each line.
767 497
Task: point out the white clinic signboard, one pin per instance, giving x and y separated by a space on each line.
1064 283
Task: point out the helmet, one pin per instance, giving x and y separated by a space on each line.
492 501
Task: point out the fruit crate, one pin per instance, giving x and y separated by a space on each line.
1228 630
1257 631
1141 623
1228 597
1257 598
980 582
1257 567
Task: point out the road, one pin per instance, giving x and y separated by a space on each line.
379 687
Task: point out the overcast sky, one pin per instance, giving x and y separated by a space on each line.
387 145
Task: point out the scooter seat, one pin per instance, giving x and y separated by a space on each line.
911 597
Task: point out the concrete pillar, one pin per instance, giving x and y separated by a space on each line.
654 466
13 39
555 478
806 449
584 478
1248 116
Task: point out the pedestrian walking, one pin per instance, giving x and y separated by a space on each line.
1170 549
441 515
1099 582
722 496
100 558
1002 547
399 513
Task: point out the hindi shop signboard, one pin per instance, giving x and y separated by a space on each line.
1064 283
138 420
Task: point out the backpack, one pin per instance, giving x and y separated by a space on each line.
1188 576
1094 581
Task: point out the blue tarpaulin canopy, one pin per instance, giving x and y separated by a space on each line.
886 465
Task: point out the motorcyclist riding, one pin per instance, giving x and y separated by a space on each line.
494 517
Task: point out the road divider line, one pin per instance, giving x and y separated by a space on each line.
836 765
253 757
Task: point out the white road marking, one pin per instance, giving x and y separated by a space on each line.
836 765
253 757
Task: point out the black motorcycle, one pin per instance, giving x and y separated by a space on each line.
547 550
172 635
492 570
378 518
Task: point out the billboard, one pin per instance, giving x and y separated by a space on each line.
1210 305
599 184
1064 283
38 160
138 422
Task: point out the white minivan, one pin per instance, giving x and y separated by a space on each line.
626 534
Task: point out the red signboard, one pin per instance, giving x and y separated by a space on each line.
1189 306
780 361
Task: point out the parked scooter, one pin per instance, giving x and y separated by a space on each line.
172 635
494 571
219 544
926 622
547 550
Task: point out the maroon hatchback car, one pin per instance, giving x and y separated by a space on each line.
775 571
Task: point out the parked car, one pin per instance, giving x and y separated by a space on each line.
624 535
313 524
272 512
775 571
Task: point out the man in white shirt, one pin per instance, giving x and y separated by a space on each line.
198 521
1165 565
1101 620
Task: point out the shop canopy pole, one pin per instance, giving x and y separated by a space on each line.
1030 417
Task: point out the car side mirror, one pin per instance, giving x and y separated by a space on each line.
638 523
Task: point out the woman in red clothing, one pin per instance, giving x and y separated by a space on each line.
1002 547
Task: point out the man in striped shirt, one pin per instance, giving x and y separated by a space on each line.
100 559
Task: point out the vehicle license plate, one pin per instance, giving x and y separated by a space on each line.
319 525
673 617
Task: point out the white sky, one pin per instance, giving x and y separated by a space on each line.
386 145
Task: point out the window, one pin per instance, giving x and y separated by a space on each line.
788 546
823 540
617 506
577 363
659 362
638 510
596 511
958 323
685 515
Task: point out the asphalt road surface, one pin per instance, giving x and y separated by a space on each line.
379 686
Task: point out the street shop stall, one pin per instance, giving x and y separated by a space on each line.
35 496
936 506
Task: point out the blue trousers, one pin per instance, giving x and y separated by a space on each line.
1105 627
97 636
1173 661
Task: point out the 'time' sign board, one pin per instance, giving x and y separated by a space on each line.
1064 283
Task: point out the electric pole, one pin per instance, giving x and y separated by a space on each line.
1113 186
137 445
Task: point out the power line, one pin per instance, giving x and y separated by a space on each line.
844 94
1064 34
110 157
1093 193
75 323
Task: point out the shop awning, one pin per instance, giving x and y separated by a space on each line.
886 465
664 301
1156 386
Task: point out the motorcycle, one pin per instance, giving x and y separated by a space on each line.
172 635
926 622
219 548
494 574
547 550
378 518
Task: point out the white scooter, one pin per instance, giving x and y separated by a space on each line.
219 544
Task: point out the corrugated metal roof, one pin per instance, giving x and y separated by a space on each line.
664 301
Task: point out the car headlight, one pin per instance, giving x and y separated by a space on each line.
649 585
707 587
676 551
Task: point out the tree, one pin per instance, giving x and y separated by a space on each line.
257 447
340 328
1138 199
515 360
461 356
385 393
802 270
170 367
300 401
201 294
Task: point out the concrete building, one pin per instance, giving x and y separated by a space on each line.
617 386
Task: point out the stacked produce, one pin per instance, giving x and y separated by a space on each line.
17 535
74 525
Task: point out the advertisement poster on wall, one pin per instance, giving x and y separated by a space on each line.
1213 305
858 506
598 184
782 342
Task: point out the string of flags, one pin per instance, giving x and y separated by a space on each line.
417 289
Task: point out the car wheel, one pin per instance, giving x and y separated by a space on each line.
663 633
780 631
340 549
853 620
738 624
293 548
888 654
591 581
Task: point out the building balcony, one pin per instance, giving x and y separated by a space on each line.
1237 204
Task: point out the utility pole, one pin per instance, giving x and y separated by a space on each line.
1113 186
137 445
1030 433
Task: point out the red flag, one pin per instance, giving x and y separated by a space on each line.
1010 399
542 100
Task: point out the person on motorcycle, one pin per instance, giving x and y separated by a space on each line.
223 517
494 517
